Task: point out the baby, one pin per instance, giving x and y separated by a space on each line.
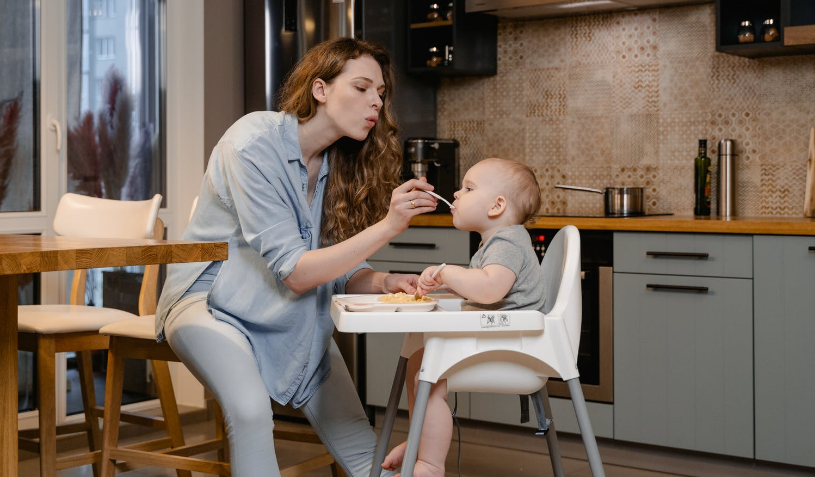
497 196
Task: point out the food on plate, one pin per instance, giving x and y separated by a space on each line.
403 297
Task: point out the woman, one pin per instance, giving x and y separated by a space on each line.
302 197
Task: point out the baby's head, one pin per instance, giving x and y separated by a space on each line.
517 182
504 190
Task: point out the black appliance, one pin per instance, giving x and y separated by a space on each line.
436 159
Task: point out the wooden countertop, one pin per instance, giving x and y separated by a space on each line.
660 223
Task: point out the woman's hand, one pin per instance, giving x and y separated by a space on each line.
408 201
396 282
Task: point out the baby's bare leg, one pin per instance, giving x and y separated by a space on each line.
437 429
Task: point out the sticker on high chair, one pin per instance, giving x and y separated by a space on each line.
495 320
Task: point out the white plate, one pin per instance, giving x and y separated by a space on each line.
372 303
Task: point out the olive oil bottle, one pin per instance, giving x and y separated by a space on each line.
701 180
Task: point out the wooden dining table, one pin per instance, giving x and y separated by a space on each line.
22 254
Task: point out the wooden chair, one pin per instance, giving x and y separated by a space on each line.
136 338
50 329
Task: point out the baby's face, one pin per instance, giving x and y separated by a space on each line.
479 189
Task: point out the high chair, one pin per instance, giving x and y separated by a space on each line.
509 352
50 329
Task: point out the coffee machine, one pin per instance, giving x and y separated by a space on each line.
436 159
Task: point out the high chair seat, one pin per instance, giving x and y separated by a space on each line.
55 319
143 327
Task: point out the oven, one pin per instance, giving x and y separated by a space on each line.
595 359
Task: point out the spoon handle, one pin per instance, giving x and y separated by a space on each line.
441 199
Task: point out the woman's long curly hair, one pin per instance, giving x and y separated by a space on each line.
362 174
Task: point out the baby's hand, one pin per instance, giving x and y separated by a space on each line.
427 282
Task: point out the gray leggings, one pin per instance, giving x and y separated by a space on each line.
221 358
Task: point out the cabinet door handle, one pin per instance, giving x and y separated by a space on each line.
812 249
411 245
403 272
697 255
657 287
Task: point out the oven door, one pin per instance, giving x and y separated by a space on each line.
595 359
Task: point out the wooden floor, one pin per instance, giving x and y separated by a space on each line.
497 451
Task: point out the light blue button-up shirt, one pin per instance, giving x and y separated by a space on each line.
254 197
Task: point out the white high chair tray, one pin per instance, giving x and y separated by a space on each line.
440 319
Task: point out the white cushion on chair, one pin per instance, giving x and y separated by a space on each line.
51 319
143 327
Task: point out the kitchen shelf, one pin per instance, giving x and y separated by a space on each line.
435 24
469 38
795 20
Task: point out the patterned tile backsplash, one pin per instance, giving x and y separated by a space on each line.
621 99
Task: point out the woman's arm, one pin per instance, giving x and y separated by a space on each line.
316 267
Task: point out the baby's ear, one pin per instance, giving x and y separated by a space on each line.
498 207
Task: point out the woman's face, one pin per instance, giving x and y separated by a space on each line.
354 97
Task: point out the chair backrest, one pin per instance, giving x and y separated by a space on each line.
82 216
561 274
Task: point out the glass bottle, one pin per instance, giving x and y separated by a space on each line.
747 33
769 31
701 180
434 14
448 15
435 57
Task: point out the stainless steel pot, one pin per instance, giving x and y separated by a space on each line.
619 201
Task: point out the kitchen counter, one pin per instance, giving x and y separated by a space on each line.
663 223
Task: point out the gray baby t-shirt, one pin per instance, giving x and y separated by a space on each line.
511 247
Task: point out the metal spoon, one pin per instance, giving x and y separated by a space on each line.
416 295
441 199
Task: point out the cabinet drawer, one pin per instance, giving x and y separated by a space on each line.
427 245
683 362
684 254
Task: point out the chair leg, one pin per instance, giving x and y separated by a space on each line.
336 470
586 430
83 359
46 370
113 408
390 417
544 410
415 431
169 407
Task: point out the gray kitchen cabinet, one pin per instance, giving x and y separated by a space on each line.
784 290
410 252
683 344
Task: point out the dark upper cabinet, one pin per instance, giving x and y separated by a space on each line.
795 20
464 43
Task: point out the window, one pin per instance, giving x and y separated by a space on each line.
106 48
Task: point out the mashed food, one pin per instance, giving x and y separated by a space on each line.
403 297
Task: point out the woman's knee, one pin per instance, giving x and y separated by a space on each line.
248 411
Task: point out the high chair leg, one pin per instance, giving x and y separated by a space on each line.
542 408
586 430
46 369
390 416
415 432
83 361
